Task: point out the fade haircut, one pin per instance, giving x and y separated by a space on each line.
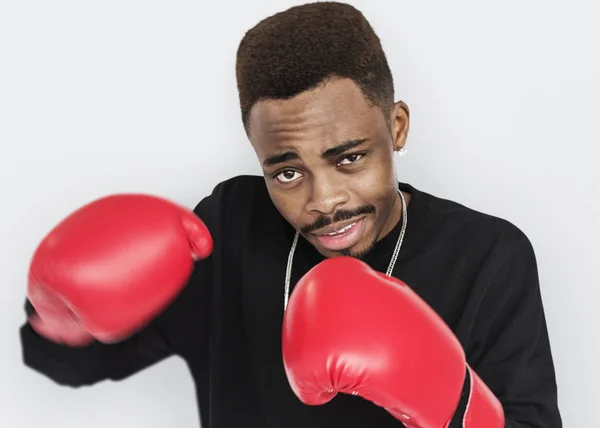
298 49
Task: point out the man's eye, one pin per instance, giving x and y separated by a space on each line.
350 159
287 176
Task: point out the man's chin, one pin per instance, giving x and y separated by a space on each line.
356 251
361 253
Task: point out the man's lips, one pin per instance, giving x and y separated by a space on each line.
342 236
337 227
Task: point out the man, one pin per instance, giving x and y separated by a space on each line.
317 102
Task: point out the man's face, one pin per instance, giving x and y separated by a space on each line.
327 158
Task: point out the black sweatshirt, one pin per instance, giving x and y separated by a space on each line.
476 271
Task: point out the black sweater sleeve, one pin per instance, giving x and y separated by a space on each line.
93 363
83 366
510 347
175 329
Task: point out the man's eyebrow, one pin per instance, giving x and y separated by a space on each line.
331 152
280 158
341 148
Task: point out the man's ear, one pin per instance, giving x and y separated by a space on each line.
400 124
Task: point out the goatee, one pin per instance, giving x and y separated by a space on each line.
359 254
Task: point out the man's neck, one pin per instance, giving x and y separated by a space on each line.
395 214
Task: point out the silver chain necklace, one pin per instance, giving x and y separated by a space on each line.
288 270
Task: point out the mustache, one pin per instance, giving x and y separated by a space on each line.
340 215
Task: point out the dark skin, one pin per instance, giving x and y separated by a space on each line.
328 158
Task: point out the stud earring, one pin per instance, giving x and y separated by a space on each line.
402 151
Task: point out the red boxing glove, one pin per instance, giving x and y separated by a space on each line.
109 267
352 330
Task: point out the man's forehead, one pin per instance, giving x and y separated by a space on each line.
335 108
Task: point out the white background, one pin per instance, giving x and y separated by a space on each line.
119 96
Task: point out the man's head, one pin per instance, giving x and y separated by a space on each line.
316 96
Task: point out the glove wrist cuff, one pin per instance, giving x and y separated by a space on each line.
478 406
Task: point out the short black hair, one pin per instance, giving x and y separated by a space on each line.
296 50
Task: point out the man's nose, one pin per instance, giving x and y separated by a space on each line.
326 197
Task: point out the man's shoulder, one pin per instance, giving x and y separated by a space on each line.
235 203
470 223
240 185
235 192
477 241
244 182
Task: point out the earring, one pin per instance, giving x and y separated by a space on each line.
402 151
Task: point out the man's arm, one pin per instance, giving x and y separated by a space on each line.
160 339
179 325
509 346
83 366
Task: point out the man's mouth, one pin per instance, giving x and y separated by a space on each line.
342 235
